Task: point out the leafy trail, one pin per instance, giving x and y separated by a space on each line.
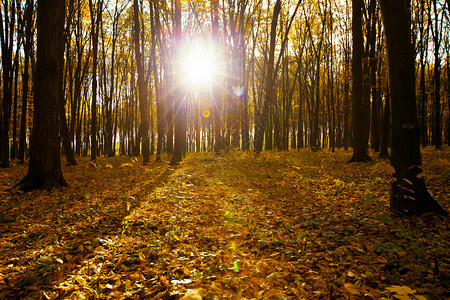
277 226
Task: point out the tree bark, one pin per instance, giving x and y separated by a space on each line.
180 105
13 152
386 128
142 86
7 24
44 171
437 128
25 78
408 194
216 99
269 96
358 122
96 15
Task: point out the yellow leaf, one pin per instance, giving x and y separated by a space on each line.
60 260
142 256
403 297
400 289
408 181
192 295
383 168
351 288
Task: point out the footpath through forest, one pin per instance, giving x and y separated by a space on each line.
281 225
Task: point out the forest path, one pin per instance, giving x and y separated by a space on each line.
281 225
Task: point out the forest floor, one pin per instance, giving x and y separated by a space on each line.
281 225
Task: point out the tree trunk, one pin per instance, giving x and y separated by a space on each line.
216 99
180 105
13 153
25 78
346 102
409 193
358 122
142 86
422 89
437 128
7 24
386 128
96 15
269 96
155 32
373 64
68 151
44 171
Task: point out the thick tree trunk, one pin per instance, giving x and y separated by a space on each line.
359 136
44 171
409 193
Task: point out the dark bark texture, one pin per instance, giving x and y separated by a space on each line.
358 122
408 194
44 171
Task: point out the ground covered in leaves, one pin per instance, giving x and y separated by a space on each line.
281 225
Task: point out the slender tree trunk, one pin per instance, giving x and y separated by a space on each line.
448 92
437 129
269 97
68 151
142 86
25 78
180 105
7 24
155 32
300 139
216 99
373 64
96 15
385 137
409 193
13 153
346 103
422 89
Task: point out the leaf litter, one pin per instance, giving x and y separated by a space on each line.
281 225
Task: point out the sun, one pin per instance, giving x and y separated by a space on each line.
199 66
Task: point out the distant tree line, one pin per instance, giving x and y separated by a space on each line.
293 74
285 80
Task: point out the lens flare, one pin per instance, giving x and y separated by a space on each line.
238 91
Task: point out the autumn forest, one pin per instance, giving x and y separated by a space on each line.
224 149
